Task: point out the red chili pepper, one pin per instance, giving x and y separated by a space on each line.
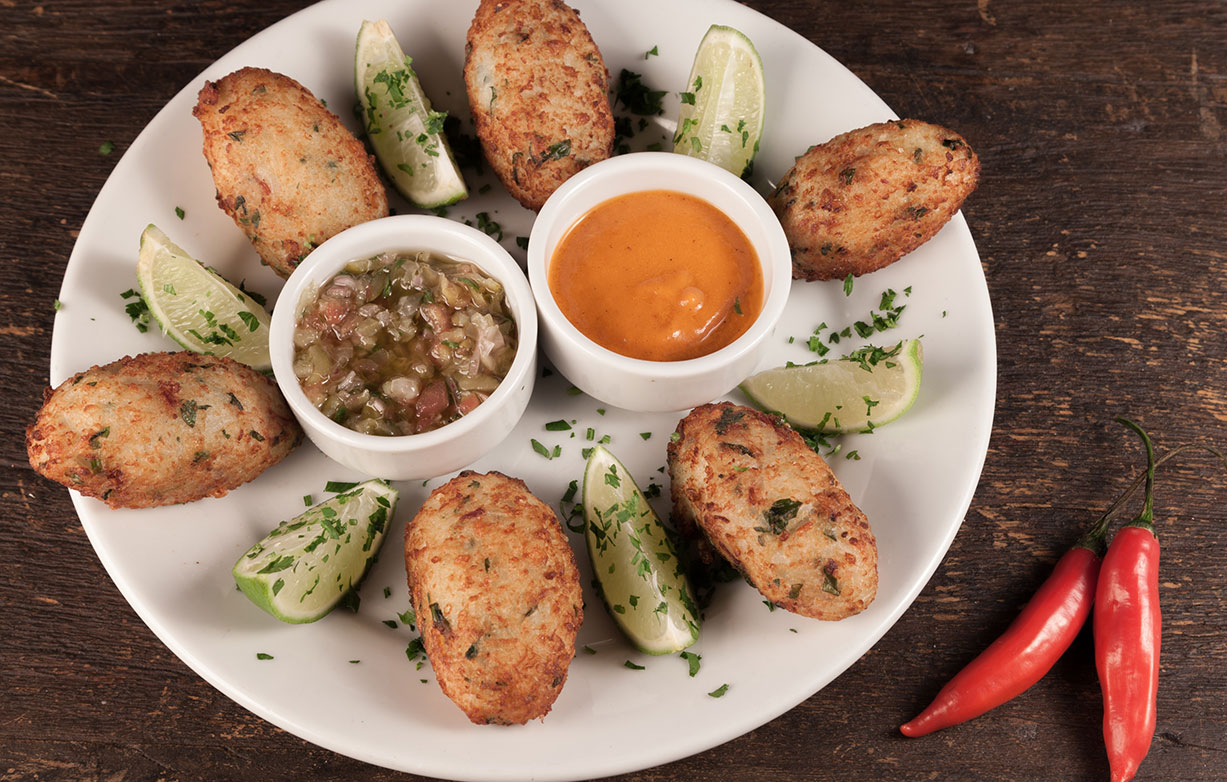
1027 650
1035 640
1127 629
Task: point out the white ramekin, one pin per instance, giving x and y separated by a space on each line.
450 447
657 386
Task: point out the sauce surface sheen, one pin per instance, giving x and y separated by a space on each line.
657 275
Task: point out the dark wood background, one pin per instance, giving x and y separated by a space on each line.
1101 220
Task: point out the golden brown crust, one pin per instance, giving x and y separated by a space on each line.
868 197
539 93
161 429
772 507
497 595
286 170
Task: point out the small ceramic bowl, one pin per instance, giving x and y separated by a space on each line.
450 447
637 384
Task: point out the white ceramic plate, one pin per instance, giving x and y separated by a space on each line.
914 478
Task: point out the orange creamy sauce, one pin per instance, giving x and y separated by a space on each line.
657 275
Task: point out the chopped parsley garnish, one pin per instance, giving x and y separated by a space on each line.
780 513
650 52
557 426
256 297
414 650
571 511
435 121
137 309
179 212
489 227
252 322
263 656
542 450
611 477
557 151
440 621
848 284
106 148
632 93
829 584
728 417
719 691
96 436
277 565
692 660
187 411
632 666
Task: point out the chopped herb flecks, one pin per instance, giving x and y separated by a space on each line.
692 660
780 513
632 93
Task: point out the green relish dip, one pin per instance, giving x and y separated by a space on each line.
403 343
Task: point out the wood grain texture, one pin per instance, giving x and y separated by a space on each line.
1102 129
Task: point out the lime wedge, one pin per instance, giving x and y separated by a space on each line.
871 387
197 307
724 101
406 134
302 569
639 572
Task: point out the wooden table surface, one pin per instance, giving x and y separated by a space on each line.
1101 220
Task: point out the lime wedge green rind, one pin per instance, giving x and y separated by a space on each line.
303 569
405 132
198 308
723 106
639 573
843 396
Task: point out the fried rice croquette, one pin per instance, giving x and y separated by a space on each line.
772 507
497 595
539 93
866 198
285 168
161 429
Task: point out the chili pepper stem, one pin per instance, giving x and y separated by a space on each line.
1096 537
1145 519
